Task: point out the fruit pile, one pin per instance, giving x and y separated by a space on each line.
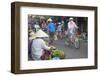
58 53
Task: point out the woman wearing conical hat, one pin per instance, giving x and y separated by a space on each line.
38 45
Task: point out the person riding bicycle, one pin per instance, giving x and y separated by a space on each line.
71 29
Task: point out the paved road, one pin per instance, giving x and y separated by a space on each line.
71 52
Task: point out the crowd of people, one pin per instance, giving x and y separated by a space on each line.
47 28
56 28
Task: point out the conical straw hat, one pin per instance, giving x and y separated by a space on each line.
40 33
32 36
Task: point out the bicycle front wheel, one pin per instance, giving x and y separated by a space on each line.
77 43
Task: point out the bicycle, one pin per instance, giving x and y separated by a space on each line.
73 39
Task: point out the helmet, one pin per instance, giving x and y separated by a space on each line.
49 20
59 23
70 18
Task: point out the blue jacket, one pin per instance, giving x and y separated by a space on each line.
51 27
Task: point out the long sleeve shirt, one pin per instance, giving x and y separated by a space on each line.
38 45
72 25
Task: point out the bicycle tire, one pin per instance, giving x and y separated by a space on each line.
77 43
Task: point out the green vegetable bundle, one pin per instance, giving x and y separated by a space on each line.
58 53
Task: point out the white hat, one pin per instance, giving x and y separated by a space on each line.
49 19
71 18
59 23
40 33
